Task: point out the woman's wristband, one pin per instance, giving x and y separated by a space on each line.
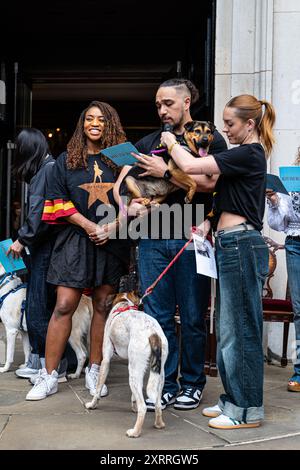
171 147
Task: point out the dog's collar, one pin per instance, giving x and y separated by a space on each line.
5 278
12 291
124 309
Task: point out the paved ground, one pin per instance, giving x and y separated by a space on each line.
62 422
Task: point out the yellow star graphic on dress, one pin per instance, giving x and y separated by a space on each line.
97 191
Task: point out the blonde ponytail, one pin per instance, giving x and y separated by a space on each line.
249 107
266 125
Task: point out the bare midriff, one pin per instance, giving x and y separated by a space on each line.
228 219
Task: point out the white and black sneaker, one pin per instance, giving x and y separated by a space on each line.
188 399
166 400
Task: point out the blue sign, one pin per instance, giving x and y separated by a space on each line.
10 264
120 154
290 176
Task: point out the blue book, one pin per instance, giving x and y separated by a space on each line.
275 183
10 264
120 154
290 176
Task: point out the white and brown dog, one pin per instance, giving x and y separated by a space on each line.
134 335
12 298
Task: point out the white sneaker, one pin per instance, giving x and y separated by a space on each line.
45 385
26 372
224 422
212 411
91 379
61 378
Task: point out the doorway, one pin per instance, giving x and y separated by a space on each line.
69 54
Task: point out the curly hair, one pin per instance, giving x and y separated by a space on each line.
113 134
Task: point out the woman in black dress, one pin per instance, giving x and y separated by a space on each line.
80 197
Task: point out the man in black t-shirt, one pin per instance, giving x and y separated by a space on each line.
181 286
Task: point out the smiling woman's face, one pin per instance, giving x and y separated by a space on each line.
94 123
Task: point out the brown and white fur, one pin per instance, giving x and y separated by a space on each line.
10 314
198 136
134 335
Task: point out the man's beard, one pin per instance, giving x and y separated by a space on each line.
175 125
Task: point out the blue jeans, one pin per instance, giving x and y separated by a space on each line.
181 286
242 260
41 297
292 247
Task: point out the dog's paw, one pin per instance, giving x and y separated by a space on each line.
3 369
159 425
90 405
187 200
132 433
145 202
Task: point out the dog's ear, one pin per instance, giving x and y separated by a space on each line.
134 297
189 126
212 126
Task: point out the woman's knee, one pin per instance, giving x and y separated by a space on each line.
64 308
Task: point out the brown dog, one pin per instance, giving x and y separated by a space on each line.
198 136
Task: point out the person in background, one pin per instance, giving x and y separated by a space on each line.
79 197
241 254
284 216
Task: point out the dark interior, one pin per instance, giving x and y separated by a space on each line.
59 55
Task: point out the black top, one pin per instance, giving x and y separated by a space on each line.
91 191
180 226
34 230
241 187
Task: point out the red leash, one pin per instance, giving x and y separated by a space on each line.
149 289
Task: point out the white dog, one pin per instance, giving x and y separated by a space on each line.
134 335
11 317
13 295
80 334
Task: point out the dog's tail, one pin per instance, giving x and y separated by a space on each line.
155 358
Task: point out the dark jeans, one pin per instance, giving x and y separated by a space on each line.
41 297
181 286
242 260
292 247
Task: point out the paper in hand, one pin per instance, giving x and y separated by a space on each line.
275 184
205 257
120 154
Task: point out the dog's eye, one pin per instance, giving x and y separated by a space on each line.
197 131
